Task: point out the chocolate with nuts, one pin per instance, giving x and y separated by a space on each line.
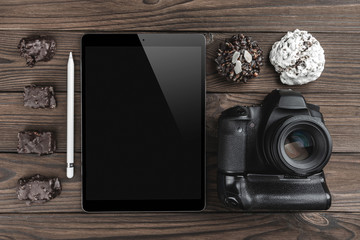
38 189
239 59
39 97
36 142
37 48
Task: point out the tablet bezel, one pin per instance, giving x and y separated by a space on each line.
197 40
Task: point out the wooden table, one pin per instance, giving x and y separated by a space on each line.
336 24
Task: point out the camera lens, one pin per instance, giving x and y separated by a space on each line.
299 145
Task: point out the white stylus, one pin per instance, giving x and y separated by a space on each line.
70 118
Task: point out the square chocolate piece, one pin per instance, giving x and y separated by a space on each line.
38 189
36 142
37 48
39 97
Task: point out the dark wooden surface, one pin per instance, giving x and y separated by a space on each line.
324 226
336 24
181 15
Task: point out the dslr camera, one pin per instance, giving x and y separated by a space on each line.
272 156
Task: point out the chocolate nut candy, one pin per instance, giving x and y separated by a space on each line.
37 48
38 189
239 59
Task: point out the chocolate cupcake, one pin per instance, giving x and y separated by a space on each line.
239 59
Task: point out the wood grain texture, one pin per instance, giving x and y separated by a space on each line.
341 116
14 166
14 74
264 226
341 74
15 117
334 23
175 15
342 175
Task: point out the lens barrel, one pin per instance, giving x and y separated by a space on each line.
299 145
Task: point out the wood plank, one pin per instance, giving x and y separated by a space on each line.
14 74
15 117
327 226
15 166
199 15
341 72
342 174
334 23
341 115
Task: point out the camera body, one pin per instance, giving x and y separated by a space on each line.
271 156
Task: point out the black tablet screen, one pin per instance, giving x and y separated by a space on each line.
143 128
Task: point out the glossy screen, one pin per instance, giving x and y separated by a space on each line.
143 125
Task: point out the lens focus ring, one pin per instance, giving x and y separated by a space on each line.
299 145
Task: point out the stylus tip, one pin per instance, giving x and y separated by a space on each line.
69 172
70 55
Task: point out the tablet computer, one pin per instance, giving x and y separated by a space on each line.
143 122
